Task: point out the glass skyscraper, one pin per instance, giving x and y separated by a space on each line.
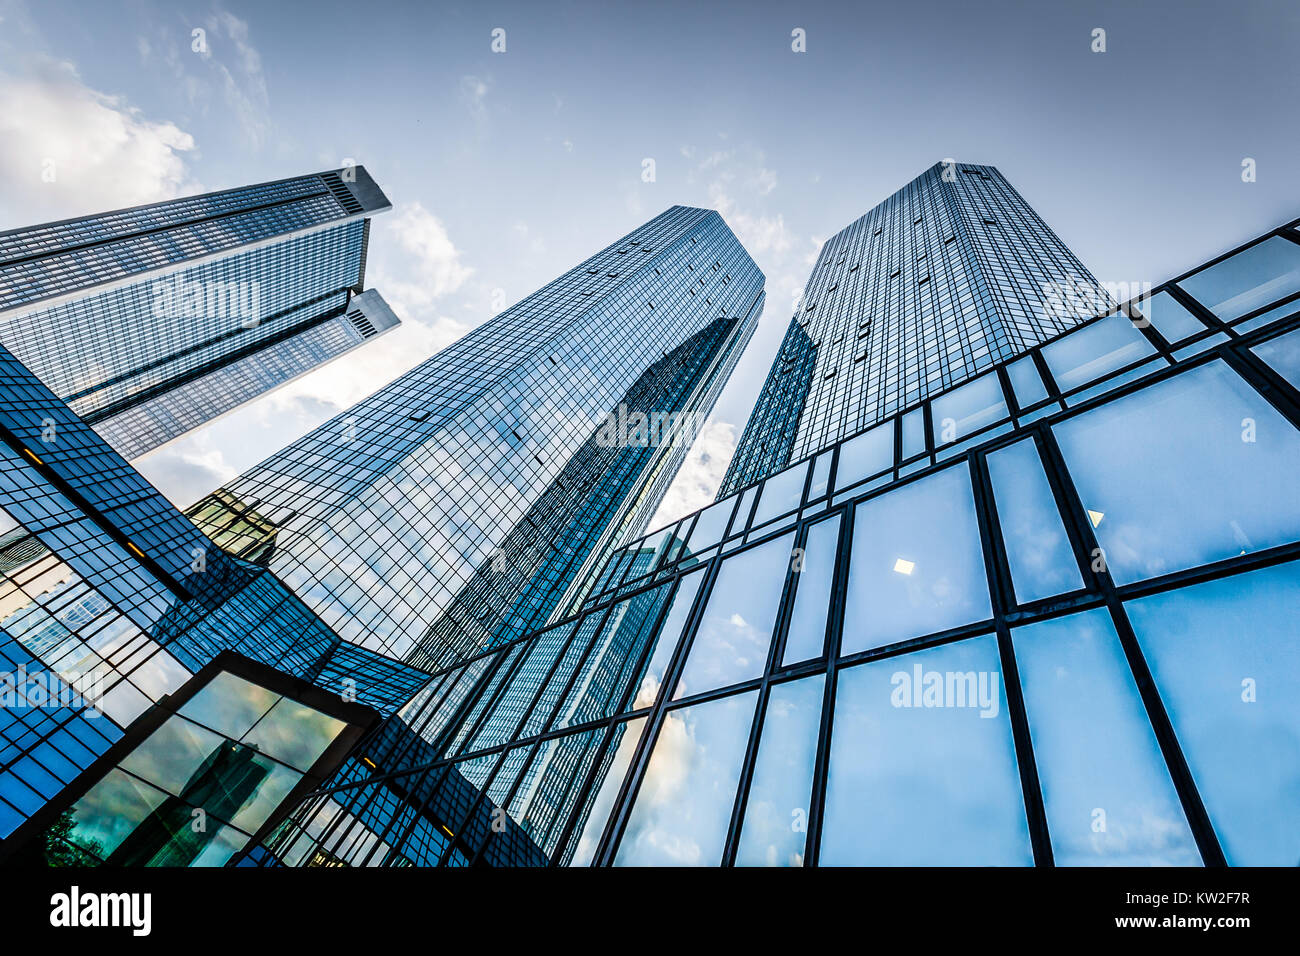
946 278
1013 636
464 503
152 320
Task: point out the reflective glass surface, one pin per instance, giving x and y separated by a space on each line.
1170 318
866 455
623 747
1107 792
735 630
806 635
1026 382
775 825
1193 469
967 409
684 803
916 566
1038 551
781 493
922 767
666 640
1089 353
1283 354
1250 280
1226 662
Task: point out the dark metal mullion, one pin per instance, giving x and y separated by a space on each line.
1193 807
617 822
1206 317
1275 389
1002 594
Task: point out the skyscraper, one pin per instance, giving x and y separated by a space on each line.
152 320
1008 634
464 503
952 274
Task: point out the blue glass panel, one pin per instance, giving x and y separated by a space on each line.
1107 792
1094 351
683 806
1026 382
1226 662
1170 318
735 631
868 454
1250 280
806 635
967 409
922 766
623 746
1190 470
916 566
776 813
1038 550
1283 355
781 493
913 433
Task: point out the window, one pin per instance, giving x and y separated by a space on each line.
1106 789
781 788
1026 382
967 409
1283 354
1193 469
865 456
806 636
916 566
683 807
623 746
1038 550
1226 662
1169 317
1250 280
735 631
1095 350
922 766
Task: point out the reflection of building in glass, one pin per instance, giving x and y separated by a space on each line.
151 321
478 487
951 638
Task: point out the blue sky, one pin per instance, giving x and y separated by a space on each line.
508 168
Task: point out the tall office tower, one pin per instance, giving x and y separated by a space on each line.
952 274
482 485
153 320
113 609
1003 626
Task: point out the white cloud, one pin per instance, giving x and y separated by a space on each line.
701 474
103 153
239 68
473 94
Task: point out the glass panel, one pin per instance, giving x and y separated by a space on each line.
821 476
1095 350
806 636
171 754
1190 470
1250 280
709 526
1038 550
1026 381
1106 789
294 733
1169 317
913 433
666 640
617 758
683 806
923 768
741 521
916 565
776 813
1226 662
781 493
229 705
1283 355
869 453
967 409
735 630
109 813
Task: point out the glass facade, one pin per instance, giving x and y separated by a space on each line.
951 275
463 504
151 321
1018 644
110 600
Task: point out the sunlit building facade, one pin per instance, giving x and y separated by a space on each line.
465 503
153 320
1061 632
